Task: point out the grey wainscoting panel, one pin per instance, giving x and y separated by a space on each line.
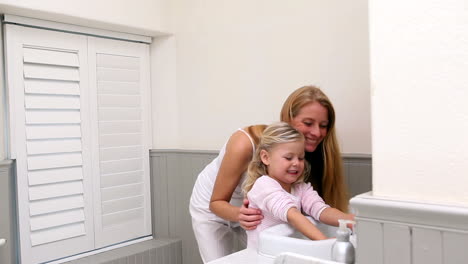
358 173
8 228
174 173
155 251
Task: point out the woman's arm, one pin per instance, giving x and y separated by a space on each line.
331 215
236 159
301 223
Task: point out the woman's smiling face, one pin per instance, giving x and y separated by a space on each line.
312 121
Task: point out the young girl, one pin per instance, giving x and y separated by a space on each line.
275 185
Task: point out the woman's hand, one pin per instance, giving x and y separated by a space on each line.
249 218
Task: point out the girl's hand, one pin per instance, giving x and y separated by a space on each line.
249 218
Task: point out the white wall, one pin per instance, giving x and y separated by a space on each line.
146 17
419 55
237 61
232 63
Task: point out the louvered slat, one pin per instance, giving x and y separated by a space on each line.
120 140
55 190
52 57
119 192
117 75
54 161
120 127
54 175
117 166
118 100
118 153
56 205
119 114
122 217
51 102
45 131
57 234
54 220
36 86
53 146
122 205
117 62
52 117
110 87
51 72
125 178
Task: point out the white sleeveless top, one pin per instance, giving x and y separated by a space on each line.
203 188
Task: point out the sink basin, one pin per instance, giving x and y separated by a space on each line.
285 238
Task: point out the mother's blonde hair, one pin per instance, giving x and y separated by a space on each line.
273 135
333 186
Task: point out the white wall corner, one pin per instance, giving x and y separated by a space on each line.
165 108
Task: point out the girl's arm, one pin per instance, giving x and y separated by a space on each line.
234 164
331 215
301 223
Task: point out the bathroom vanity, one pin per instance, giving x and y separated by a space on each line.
275 241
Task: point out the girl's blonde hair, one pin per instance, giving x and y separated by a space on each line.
273 135
334 189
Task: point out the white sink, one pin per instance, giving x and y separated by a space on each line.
285 238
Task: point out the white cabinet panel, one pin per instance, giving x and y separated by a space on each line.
121 79
47 84
80 134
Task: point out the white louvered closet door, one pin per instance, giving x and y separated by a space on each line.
48 84
121 139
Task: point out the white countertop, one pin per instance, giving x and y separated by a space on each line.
246 256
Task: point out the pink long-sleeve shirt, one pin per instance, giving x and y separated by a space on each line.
268 195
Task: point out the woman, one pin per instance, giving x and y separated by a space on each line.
217 206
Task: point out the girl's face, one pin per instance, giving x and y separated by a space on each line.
285 162
312 122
